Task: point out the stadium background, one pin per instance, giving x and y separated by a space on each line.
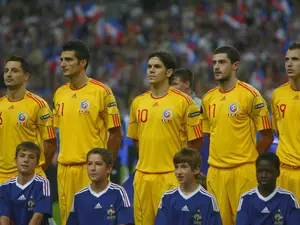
120 34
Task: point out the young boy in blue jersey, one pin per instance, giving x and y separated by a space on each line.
102 202
268 204
190 203
26 199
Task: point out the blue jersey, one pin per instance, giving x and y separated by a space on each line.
20 202
279 208
109 207
199 207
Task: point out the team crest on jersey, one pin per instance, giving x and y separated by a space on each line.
234 108
22 118
167 115
85 106
197 218
30 205
111 213
278 218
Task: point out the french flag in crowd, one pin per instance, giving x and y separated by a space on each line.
113 30
283 6
69 16
92 11
79 13
54 64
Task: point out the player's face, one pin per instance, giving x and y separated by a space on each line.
223 67
184 173
266 174
14 75
292 63
26 162
157 72
98 171
69 63
180 85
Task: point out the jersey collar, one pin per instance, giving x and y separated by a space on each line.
186 197
25 185
97 195
268 198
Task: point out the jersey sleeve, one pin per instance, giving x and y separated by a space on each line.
162 213
214 216
4 203
259 113
294 211
275 114
44 122
133 123
242 217
72 218
193 122
44 201
204 118
124 209
110 112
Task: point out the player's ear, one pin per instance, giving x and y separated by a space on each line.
109 169
235 65
83 63
169 72
26 75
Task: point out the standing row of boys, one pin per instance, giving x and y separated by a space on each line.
162 121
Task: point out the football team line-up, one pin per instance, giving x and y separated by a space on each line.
245 184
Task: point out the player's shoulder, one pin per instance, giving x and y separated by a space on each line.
210 93
99 86
9 182
44 182
171 193
82 191
247 88
209 197
182 96
250 193
62 89
282 88
289 195
118 188
3 98
141 97
35 99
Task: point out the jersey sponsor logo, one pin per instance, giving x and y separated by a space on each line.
278 218
185 208
197 218
46 116
22 197
258 106
22 118
265 210
111 104
234 108
98 206
84 106
111 213
167 115
194 114
31 204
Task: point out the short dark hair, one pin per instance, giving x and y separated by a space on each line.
270 157
80 48
189 156
167 59
294 45
106 155
21 60
185 75
232 52
29 146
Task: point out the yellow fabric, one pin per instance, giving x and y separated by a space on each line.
83 117
70 179
7 176
286 120
29 119
148 191
290 180
228 185
163 126
232 119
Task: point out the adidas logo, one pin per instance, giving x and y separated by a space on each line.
185 208
22 197
297 97
223 99
265 210
155 104
98 206
74 96
12 107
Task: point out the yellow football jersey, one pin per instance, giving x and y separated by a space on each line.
29 119
163 126
83 117
286 120
232 119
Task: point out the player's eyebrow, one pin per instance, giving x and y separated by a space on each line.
220 61
155 65
66 58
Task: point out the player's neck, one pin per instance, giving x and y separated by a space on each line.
24 178
295 82
228 84
78 81
266 191
99 186
188 188
16 94
160 90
